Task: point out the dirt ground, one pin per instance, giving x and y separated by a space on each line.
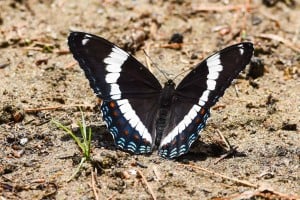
41 81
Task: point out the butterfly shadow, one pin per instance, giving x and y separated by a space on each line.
200 151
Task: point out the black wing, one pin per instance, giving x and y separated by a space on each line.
129 91
197 92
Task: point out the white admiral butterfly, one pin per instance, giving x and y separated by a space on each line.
142 115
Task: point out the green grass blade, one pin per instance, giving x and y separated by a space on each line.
74 137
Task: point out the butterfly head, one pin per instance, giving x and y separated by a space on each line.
167 93
170 83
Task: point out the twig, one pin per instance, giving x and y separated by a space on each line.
112 196
232 150
228 145
62 52
236 89
220 106
34 48
261 193
147 185
211 7
280 195
246 183
176 46
30 110
94 184
157 174
70 65
280 39
2 66
40 180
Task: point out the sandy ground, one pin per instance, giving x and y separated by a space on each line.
41 81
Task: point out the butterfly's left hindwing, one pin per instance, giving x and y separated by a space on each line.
127 89
128 135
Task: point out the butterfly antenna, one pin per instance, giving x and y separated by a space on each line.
155 65
189 69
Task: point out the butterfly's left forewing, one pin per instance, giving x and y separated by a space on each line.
129 90
196 93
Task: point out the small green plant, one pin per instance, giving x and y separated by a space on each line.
84 143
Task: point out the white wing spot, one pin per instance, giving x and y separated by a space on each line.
145 134
201 103
112 67
140 127
241 51
213 60
181 127
187 119
122 101
192 113
87 36
129 114
134 120
120 52
114 89
84 41
214 75
215 68
204 96
211 84
124 108
116 96
112 77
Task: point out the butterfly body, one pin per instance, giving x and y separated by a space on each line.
142 115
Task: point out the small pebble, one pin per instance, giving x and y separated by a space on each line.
176 38
23 141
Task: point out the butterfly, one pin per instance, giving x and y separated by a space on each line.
141 115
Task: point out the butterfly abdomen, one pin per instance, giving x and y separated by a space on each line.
161 124
165 103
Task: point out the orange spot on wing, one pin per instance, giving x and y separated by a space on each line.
126 132
174 142
145 141
136 136
112 104
115 114
202 111
182 137
198 120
